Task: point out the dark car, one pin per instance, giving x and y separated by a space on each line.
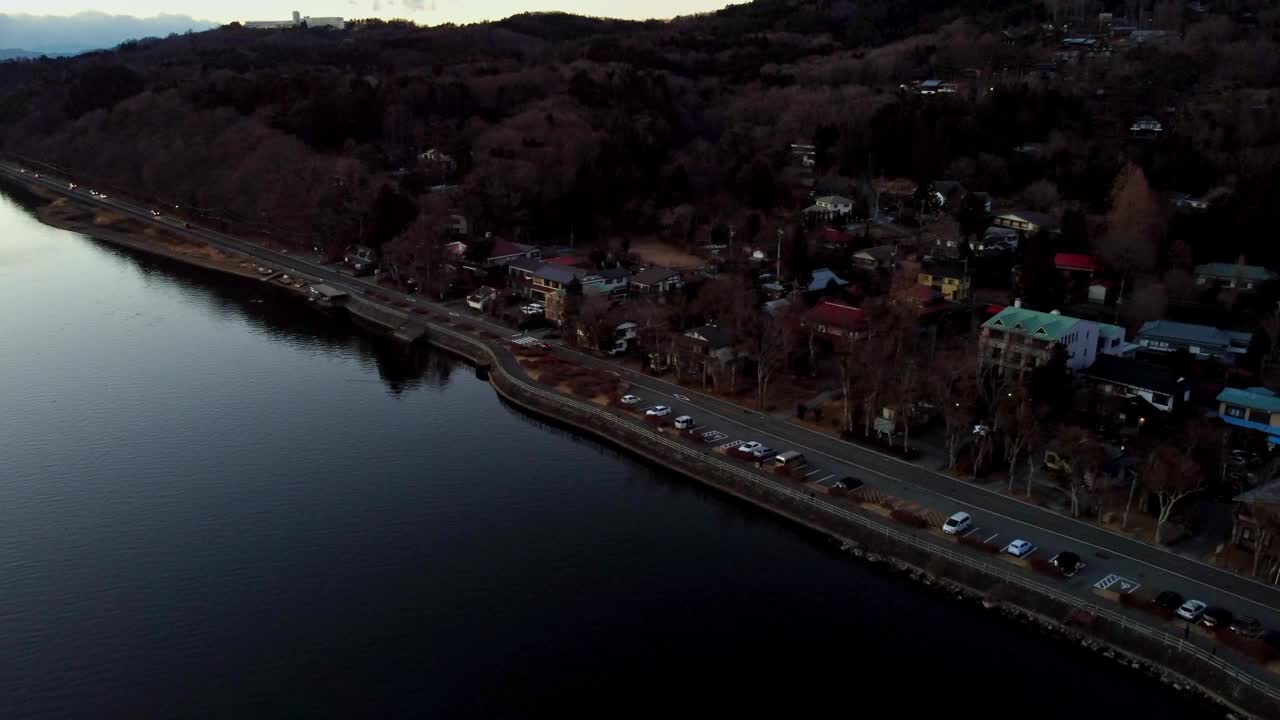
1068 563
848 483
1169 600
1216 617
1246 626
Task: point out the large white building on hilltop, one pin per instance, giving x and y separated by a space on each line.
297 21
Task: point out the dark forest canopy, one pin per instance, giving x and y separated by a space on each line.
552 125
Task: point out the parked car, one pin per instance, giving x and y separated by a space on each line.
1068 563
155 213
1169 600
630 400
684 422
762 452
848 483
790 458
748 448
1217 617
1191 610
658 411
1247 626
957 523
1018 548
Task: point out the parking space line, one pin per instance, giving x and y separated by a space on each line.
971 531
993 537
826 478
1030 552
815 472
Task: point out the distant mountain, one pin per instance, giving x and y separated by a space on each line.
72 34
17 54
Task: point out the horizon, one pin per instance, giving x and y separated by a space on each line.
422 12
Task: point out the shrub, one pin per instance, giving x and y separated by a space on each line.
1044 567
909 519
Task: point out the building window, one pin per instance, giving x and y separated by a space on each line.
1235 412
1260 416
1161 400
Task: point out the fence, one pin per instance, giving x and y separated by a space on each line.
932 548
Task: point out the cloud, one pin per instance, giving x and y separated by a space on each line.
415 6
88 30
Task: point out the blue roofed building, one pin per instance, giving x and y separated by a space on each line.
1253 408
1202 341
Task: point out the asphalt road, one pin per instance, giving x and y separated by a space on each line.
1109 557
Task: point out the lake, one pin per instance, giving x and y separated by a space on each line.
216 502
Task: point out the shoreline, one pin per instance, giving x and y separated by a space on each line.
874 539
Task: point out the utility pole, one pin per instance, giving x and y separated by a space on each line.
778 257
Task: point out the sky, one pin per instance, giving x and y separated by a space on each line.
428 12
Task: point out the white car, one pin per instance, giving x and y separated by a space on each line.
1191 610
71 186
957 523
1018 548
684 422
658 411
630 400
750 448
763 451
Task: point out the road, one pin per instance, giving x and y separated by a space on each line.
1111 559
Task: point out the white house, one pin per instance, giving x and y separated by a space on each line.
1019 339
834 204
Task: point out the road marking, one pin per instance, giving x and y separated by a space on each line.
680 397
971 531
815 472
1025 523
993 537
1122 585
713 436
821 480
731 444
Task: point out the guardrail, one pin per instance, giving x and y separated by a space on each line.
929 546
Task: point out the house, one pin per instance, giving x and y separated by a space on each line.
835 320
1111 341
1102 292
831 205
1202 341
1162 387
997 241
613 281
838 237
949 277
879 257
776 308
701 350
655 280
1253 408
1253 525
1020 339
482 299
824 279
1073 263
501 253
1232 276
1146 128
1027 222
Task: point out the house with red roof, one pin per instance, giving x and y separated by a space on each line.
835 320
1076 262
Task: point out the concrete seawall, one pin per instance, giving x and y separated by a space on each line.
875 539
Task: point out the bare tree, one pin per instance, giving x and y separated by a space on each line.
953 385
1019 424
1082 451
1135 225
1171 475
768 340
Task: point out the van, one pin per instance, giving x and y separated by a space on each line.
789 458
684 422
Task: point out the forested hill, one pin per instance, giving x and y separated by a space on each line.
552 125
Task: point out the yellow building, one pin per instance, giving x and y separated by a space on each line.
950 278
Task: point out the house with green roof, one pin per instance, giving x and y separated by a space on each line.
1254 408
1020 339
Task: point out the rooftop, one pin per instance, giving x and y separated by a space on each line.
1193 334
1031 217
1051 326
1232 271
1254 398
1075 261
943 267
834 314
1135 373
714 335
653 275
822 279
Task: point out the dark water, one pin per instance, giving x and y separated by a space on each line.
217 503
